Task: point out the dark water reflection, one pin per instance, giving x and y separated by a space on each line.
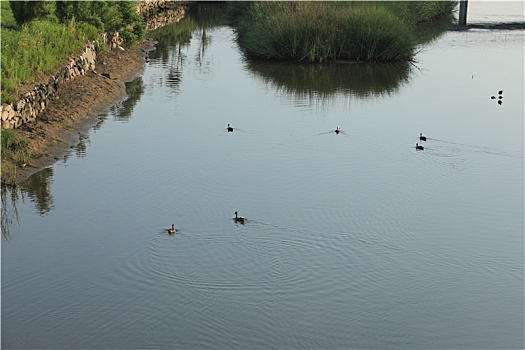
361 80
38 189
134 91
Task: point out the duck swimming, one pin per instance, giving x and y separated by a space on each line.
238 219
230 129
419 147
172 230
337 130
421 137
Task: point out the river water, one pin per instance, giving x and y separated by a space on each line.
351 240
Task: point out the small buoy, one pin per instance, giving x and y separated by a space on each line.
492 97
500 97
500 92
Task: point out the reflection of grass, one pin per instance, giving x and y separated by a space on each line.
9 217
320 31
323 81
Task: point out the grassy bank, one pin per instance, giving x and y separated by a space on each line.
321 31
40 45
30 50
36 48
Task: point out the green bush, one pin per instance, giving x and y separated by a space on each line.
26 11
104 15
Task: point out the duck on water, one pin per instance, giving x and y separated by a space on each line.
238 219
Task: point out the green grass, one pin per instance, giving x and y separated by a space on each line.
14 147
319 31
38 47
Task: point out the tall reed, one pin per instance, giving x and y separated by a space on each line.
319 31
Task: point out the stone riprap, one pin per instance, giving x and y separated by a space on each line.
28 106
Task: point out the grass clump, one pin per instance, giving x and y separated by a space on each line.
319 31
14 147
15 153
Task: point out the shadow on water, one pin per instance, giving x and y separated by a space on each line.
491 26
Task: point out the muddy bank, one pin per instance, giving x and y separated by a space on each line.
64 120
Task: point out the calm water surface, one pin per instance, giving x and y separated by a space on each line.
354 240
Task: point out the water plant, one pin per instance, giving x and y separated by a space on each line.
319 31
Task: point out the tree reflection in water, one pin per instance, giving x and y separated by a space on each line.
9 210
37 188
134 91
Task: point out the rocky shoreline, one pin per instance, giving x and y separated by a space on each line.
65 120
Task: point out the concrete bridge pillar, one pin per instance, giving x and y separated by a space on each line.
463 12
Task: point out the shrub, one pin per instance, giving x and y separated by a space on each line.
25 11
104 15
